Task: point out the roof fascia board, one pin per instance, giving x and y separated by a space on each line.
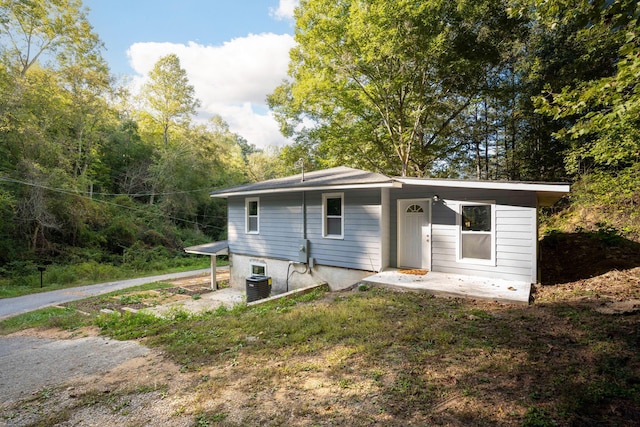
393 184
220 252
490 185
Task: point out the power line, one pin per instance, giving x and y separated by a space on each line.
87 197
71 191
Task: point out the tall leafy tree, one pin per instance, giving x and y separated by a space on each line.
37 29
568 43
167 97
602 113
383 82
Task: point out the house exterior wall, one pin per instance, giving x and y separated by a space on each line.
370 236
299 276
281 228
515 231
361 246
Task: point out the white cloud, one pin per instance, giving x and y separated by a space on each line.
232 79
285 9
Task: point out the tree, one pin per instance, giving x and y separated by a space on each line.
603 112
568 43
383 82
168 96
35 28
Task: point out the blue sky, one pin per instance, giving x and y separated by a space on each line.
234 52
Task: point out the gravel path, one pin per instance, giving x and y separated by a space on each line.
30 363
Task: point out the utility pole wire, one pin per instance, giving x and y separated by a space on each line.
80 194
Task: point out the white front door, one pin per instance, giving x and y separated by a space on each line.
414 233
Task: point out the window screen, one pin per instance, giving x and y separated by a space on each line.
476 246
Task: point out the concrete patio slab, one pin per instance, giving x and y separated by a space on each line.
455 285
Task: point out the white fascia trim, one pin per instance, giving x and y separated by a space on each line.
220 252
489 185
300 189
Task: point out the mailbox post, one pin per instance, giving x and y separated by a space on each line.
41 269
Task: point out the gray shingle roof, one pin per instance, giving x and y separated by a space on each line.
323 179
343 177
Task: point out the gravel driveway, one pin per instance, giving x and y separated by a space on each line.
30 363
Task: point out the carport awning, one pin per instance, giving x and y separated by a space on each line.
215 248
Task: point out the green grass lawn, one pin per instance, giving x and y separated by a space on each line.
88 273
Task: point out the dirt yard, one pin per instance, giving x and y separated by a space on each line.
149 389
99 380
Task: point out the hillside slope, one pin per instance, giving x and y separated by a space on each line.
593 231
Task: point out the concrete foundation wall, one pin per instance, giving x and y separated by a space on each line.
300 275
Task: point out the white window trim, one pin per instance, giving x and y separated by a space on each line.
326 196
257 264
477 261
246 215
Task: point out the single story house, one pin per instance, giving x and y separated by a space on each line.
340 225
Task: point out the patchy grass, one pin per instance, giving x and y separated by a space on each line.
77 314
46 409
380 357
26 280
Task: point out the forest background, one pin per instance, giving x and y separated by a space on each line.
95 178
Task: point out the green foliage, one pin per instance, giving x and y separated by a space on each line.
40 28
605 130
127 326
53 317
603 203
7 228
81 180
537 417
169 98
384 82
21 278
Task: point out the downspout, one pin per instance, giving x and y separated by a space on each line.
304 233
304 215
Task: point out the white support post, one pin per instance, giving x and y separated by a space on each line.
214 284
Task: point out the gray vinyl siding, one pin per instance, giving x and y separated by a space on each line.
280 225
368 225
281 228
515 234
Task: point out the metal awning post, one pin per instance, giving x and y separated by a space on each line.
214 262
213 250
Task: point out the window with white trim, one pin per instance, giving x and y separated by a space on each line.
333 215
477 232
258 269
252 213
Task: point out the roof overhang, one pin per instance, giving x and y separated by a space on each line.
547 192
388 184
215 248
490 185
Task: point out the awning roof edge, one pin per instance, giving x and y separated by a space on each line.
215 248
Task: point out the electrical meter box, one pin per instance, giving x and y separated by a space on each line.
303 253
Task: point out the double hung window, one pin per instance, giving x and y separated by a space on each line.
477 232
333 215
252 214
